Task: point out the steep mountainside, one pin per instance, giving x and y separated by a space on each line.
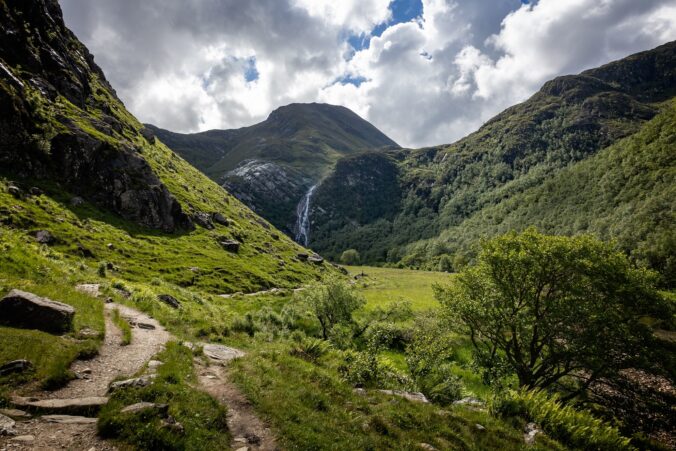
569 120
77 167
270 166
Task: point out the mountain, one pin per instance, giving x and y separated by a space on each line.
271 165
450 196
78 170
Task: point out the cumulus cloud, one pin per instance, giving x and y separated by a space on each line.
200 64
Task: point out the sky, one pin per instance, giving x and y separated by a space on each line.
425 72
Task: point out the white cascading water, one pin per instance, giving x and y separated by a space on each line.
303 218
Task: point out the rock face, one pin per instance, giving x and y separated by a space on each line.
28 311
97 161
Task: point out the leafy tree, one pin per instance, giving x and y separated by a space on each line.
554 309
350 257
332 302
445 264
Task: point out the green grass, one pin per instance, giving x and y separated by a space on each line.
382 286
202 417
124 327
310 407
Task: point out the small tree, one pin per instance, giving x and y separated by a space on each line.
445 264
333 303
548 308
350 257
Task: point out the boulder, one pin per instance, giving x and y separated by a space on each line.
44 237
35 191
220 219
203 219
15 366
77 201
316 259
26 310
161 409
7 426
230 245
411 396
169 300
15 191
142 381
148 135
221 353
302 256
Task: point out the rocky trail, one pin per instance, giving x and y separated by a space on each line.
66 418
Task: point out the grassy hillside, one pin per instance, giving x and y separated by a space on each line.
568 121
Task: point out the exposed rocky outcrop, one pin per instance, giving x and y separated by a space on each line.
82 141
26 310
15 366
169 300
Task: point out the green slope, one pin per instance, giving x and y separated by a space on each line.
569 120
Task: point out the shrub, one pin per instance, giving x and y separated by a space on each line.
350 257
310 349
577 428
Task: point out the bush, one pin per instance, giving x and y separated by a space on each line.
350 257
310 349
577 428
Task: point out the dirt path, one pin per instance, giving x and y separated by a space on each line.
113 360
247 429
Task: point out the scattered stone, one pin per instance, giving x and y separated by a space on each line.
169 300
29 311
86 371
109 300
110 246
316 259
68 419
7 426
77 201
203 219
123 292
142 381
221 353
426 446
239 440
479 427
530 432
44 237
87 332
360 391
15 366
23 438
35 191
243 448
171 424
15 191
220 219
148 135
411 396
230 245
82 406
91 289
302 256
252 439
146 326
86 253
161 409
15 414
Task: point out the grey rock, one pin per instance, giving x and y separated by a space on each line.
230 245
169 300
146 326
203 219
411 396
142 381
221 353
15 191
35 191
172 425
316 259
148 135
44 237
92 289
479 427
15 366
71 406
29 311
160 409
77 201
302 256
220 219
470 401
530 431
15 414
68 419
23 438
7 426
426 446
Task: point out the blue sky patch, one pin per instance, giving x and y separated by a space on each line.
402 11
250 70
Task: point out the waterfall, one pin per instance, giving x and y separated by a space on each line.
303 218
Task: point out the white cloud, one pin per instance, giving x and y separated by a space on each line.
181 64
